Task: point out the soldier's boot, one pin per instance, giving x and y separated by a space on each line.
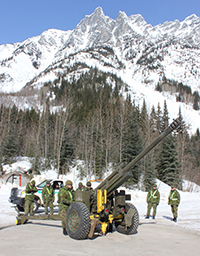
154 217
175 219
64 232
147 217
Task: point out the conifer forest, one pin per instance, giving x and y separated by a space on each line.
94 123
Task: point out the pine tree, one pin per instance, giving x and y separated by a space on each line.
67 150
132 141
168 167
149 174
182 139
10 148
165 118
144 119
153 120
158 118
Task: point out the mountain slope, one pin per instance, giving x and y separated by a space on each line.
140 54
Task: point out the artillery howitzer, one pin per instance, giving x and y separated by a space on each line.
107 205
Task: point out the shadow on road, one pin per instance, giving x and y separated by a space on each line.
144 223
8 226
43 224
167 217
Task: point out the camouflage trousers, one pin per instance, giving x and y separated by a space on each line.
49 203
29 206
150 205
62 213
174 209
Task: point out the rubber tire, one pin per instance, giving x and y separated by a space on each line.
80 227
135 222
20 208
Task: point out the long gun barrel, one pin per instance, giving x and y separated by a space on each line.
119 176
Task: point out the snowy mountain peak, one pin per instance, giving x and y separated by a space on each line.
140 54
98 12
138 19
121 17
192 19
95 17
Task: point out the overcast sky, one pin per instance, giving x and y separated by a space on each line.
22 19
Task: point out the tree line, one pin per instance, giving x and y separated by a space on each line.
97 125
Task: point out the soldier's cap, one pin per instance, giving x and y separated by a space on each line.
33 182
68 182
48 182
88 183
155 185
80 184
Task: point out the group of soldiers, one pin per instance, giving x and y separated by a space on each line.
153 199
65 198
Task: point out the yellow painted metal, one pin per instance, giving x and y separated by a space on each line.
110 218
105 197
101 200
101 204
120 216
91 217
103 227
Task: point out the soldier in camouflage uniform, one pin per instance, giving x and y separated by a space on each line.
29 198
80 187
89 187
153 199
174 201
48 197
65 198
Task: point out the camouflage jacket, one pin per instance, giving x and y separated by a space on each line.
48 193
153 196
30 190
81 189
65 196
174 197
91 190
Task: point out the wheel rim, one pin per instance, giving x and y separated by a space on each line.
73 220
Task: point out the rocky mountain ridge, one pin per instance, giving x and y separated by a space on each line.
140 54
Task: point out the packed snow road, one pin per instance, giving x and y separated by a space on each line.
46 238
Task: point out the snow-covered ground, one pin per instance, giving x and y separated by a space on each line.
188 211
